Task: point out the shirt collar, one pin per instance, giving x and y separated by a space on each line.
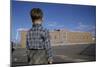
36 26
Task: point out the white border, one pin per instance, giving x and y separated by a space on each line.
4 33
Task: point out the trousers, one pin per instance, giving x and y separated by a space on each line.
37 56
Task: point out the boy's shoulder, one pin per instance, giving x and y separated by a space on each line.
29 30
46 30
43 30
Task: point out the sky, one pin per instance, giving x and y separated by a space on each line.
56 16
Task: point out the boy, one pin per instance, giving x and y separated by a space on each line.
38 40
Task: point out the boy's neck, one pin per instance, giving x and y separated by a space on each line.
37 24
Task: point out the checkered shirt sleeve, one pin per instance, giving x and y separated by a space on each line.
48 45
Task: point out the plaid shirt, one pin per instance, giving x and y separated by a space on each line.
38 38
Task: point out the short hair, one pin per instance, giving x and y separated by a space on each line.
36 13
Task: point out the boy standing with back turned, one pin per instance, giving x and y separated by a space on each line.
38 40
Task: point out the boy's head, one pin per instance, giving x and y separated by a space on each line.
36 15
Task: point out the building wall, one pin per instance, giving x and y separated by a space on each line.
58 36
63 36
79 37
23 39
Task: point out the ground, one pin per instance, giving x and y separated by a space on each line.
62 54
